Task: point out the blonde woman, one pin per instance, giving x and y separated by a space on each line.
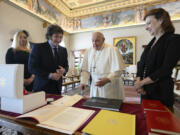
19 54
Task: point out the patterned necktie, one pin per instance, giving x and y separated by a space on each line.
56 57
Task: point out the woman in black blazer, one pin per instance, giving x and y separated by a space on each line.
19 54
158 59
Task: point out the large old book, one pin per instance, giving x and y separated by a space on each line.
67 100
162 123
154 105
111 123
104 103
58 117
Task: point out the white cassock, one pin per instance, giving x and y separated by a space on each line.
106 62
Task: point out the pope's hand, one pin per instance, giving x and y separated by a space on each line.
102 81
82 86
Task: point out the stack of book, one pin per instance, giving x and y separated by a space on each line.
104 103
159 119
154 105
159 122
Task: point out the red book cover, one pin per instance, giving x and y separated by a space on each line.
162 122
155 105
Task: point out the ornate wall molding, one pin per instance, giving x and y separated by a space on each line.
99 8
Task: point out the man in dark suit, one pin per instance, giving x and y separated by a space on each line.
48 61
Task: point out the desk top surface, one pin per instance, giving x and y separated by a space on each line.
135 109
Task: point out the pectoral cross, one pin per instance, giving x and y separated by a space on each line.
94 67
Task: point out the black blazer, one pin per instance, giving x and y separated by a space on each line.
159 62
42 63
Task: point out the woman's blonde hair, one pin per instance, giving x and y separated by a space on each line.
16 40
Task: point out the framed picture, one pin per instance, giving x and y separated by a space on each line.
127 48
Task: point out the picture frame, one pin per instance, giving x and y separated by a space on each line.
127 48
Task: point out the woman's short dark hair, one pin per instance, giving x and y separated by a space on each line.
160 13
53 29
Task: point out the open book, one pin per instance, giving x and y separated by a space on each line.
67 100
60 118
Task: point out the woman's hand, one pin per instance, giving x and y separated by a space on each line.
138 84
141 91
29 80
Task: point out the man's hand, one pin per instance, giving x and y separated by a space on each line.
102 81
60 70
55 76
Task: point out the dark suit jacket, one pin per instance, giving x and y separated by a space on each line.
42 63
159 62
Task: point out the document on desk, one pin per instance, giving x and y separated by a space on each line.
60 118
69 120
67 100
43 113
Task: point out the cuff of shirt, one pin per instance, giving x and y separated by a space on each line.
112 76
50 76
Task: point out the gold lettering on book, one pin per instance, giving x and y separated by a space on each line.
163 120
152 105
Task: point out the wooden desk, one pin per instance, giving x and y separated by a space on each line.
25 127
28 127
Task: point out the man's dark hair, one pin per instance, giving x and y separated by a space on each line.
53 29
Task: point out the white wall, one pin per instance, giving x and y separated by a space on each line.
83 40
13 19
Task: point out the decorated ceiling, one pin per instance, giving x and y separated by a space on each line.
78 8
74 4
84 15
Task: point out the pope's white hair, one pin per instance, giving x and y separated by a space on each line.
99 34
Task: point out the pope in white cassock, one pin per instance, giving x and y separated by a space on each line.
104 63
